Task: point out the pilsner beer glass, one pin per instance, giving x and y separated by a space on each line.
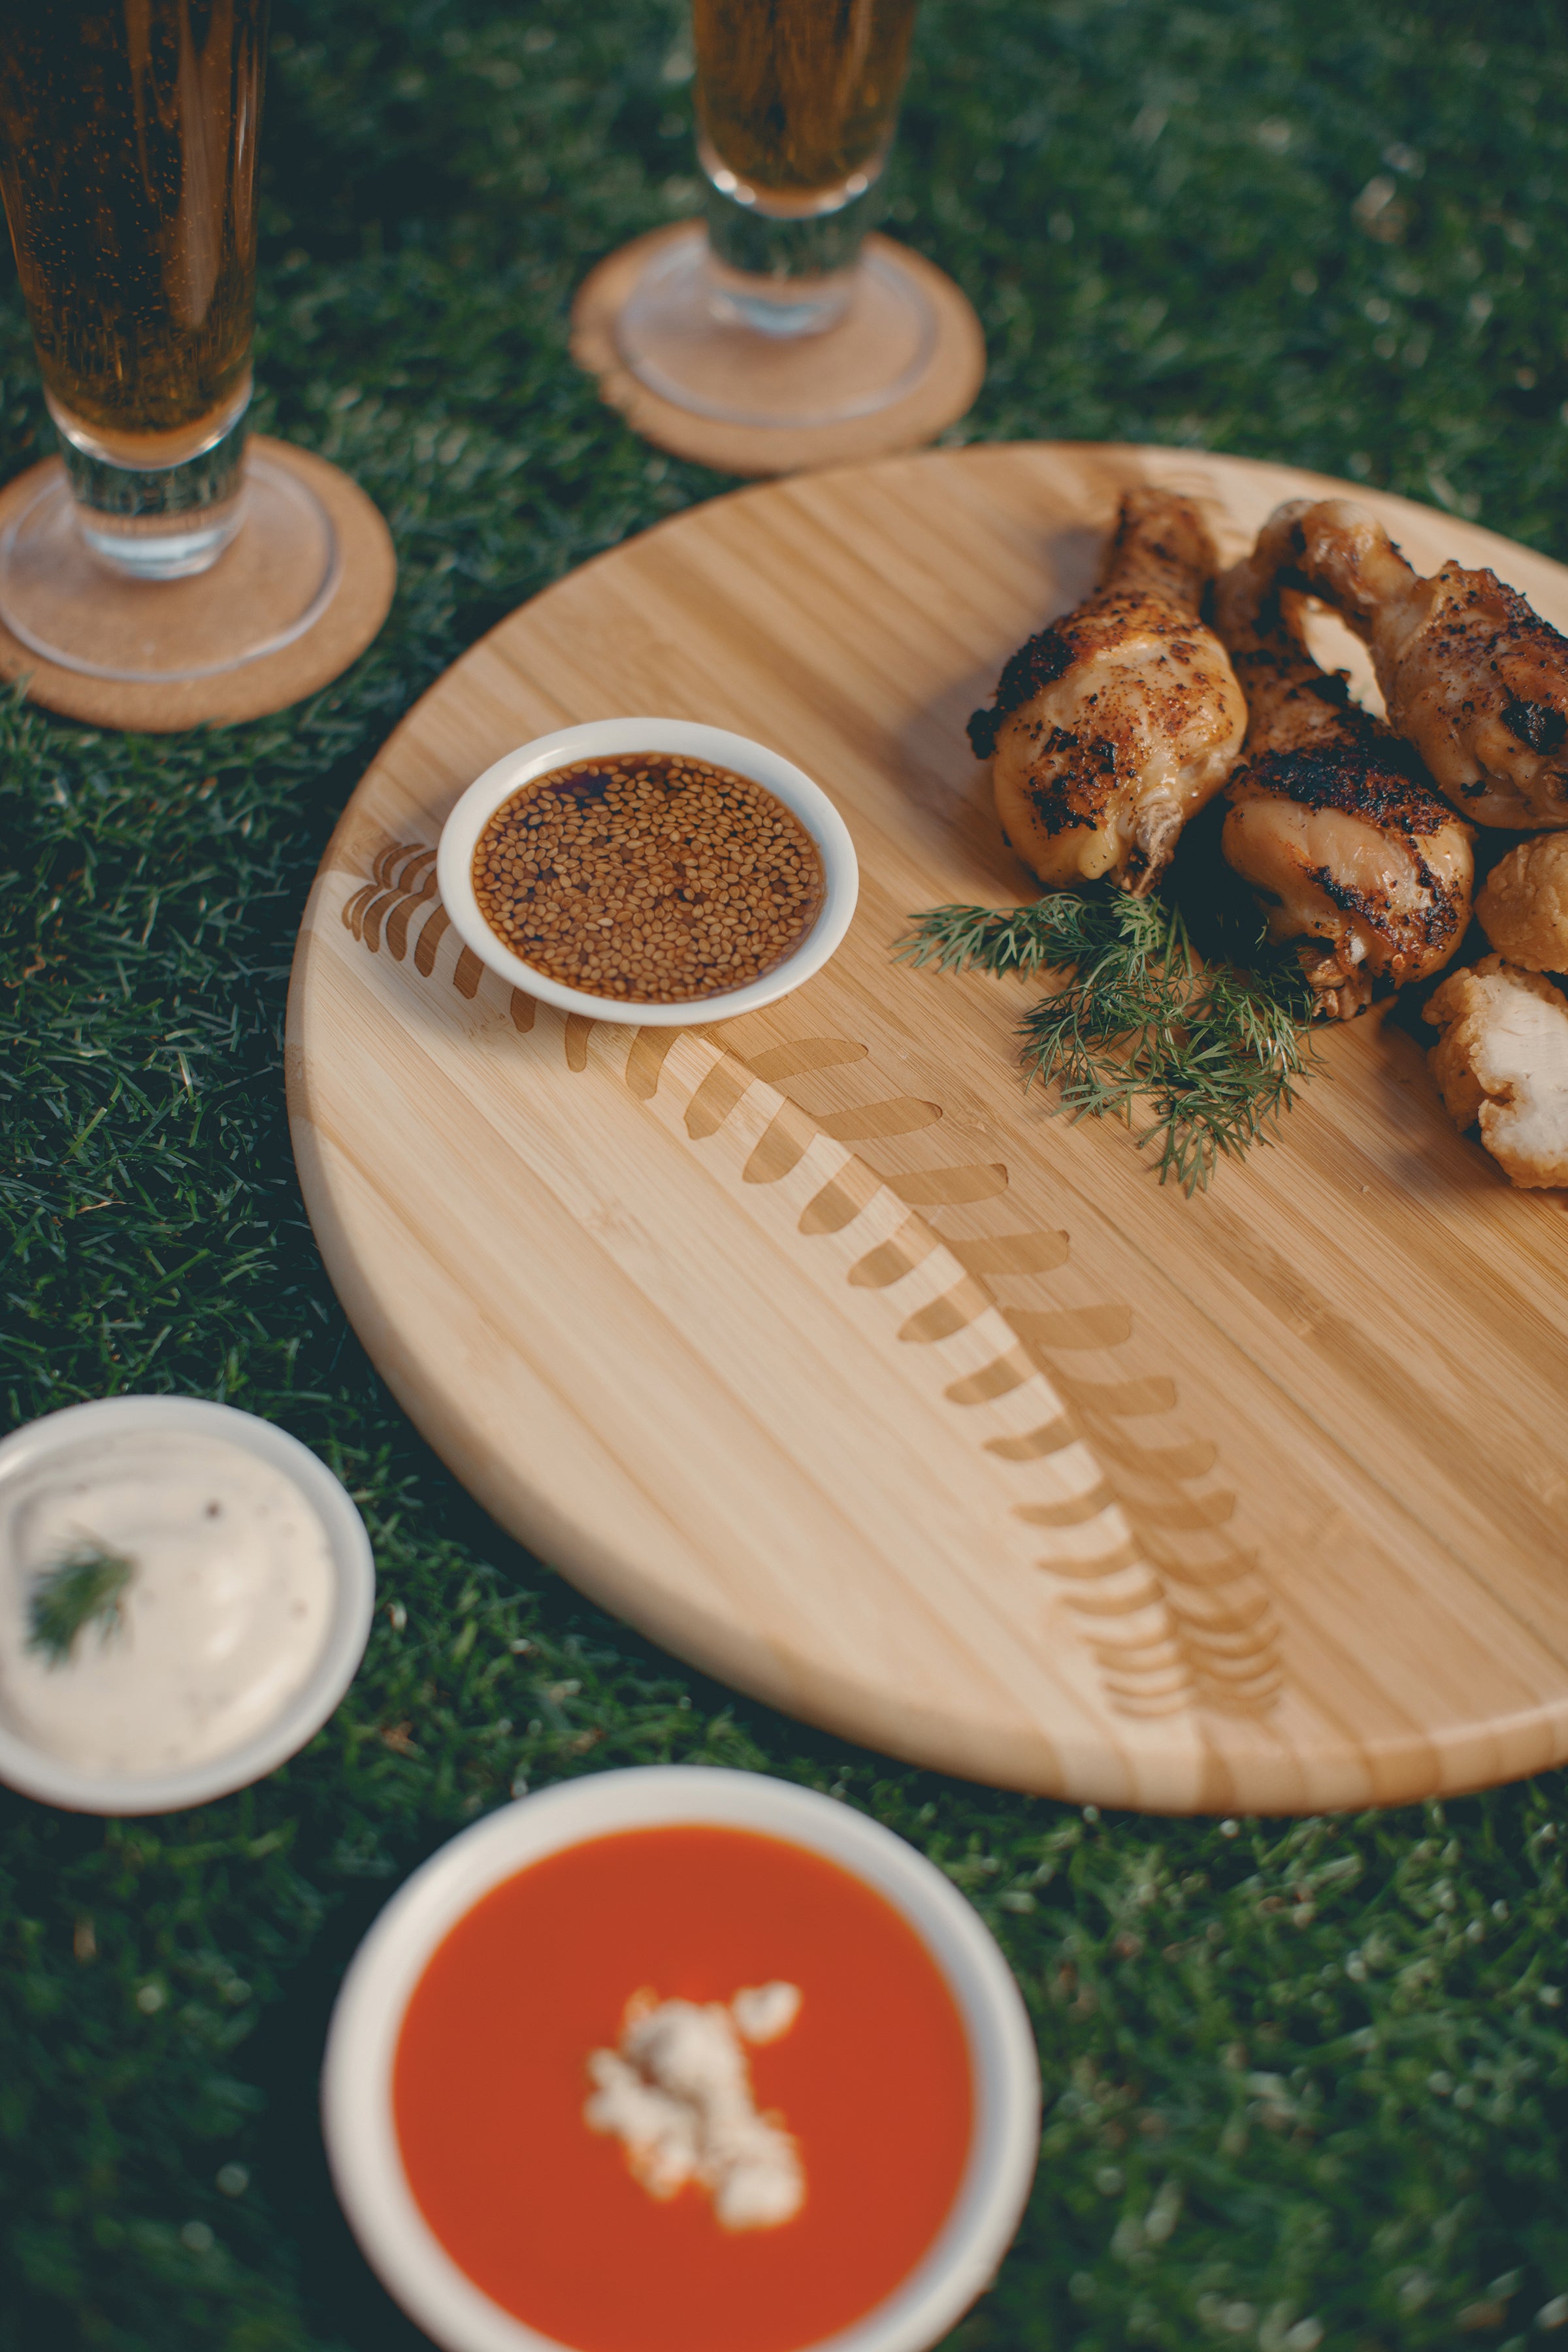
796 105
128 149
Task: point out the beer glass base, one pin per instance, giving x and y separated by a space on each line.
169 555
775 356
270 584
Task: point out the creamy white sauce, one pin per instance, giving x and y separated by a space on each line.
765 2012
222 1623
678 2094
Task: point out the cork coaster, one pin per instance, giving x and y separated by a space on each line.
942 387
354 604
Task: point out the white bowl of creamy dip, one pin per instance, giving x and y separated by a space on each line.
185 1593
858 2011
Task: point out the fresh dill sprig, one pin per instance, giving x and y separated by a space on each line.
1217 1053
87 1588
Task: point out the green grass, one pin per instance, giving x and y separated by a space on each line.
1305 2080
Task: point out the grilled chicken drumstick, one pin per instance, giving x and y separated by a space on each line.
1114 726
1350 853
1470 673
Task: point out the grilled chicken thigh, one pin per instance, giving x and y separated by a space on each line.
1114 726
1470 673
1350 853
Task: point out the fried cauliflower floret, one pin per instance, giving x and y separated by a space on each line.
1502 1063
1523 907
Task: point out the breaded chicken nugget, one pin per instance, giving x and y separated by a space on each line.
1523 905
1502 1063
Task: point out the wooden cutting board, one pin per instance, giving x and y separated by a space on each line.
819 1349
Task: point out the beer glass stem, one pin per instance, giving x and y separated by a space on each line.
157 507
776 313
784 267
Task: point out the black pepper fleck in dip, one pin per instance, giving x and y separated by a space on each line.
649 877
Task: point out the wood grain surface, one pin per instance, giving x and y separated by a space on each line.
821 1350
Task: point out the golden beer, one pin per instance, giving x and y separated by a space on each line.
128 165
797 96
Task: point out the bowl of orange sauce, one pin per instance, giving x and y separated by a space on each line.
680 2059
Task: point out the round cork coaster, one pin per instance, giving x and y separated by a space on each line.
353 606
942 387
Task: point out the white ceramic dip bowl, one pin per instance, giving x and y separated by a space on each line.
83 1434
357 2106
607 738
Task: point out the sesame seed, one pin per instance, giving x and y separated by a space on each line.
653 879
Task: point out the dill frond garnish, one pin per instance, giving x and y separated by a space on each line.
1214 1051
87 1588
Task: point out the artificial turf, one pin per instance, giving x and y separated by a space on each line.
1307 2082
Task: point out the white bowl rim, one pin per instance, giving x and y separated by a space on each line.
56 1782
791 784
356 2076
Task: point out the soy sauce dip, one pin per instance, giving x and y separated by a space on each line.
222 1618
647 877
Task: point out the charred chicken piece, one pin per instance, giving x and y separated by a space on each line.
1470 673
1114 726
1348 849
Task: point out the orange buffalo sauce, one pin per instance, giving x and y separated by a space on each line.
544 2214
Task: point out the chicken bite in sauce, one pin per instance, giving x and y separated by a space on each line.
1470 673
1350 853
1115 725
1502 1063
1523 905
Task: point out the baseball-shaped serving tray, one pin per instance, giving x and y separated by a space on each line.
820 1349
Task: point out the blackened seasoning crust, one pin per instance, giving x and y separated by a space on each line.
1091 766
1038 663
1363 779
1440 918
1535 723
